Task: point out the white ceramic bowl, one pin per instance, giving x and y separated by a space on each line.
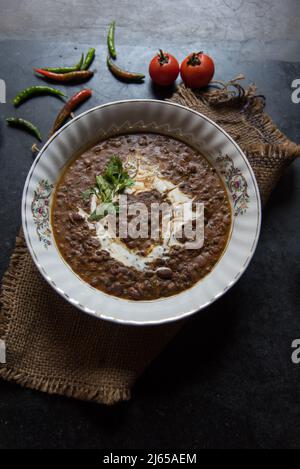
141 115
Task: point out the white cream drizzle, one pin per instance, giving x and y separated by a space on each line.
147 177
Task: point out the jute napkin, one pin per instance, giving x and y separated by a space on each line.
52 347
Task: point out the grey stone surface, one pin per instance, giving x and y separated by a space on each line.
219 19
227 379
253 25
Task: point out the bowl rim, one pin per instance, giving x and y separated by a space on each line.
131 322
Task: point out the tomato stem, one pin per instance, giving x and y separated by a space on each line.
194 59
162 58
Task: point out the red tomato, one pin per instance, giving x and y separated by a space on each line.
163 69
197 70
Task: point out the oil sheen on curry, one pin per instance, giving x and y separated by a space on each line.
149 169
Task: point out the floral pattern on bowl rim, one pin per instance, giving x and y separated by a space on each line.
235 183
40 208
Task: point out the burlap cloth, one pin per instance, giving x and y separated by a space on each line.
52 347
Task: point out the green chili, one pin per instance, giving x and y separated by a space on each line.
111 40
79 65
66 69
24 124
27 93
88 59
124 74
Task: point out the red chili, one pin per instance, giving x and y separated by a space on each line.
79 75
70 105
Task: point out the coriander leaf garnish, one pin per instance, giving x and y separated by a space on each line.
108 185
105 189
87 194
116 175
102 210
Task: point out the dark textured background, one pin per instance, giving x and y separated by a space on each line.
227 379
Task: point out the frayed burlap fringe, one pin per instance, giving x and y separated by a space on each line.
240 111
53 347
101 395
8 288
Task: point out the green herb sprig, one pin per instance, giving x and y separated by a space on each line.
108 186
